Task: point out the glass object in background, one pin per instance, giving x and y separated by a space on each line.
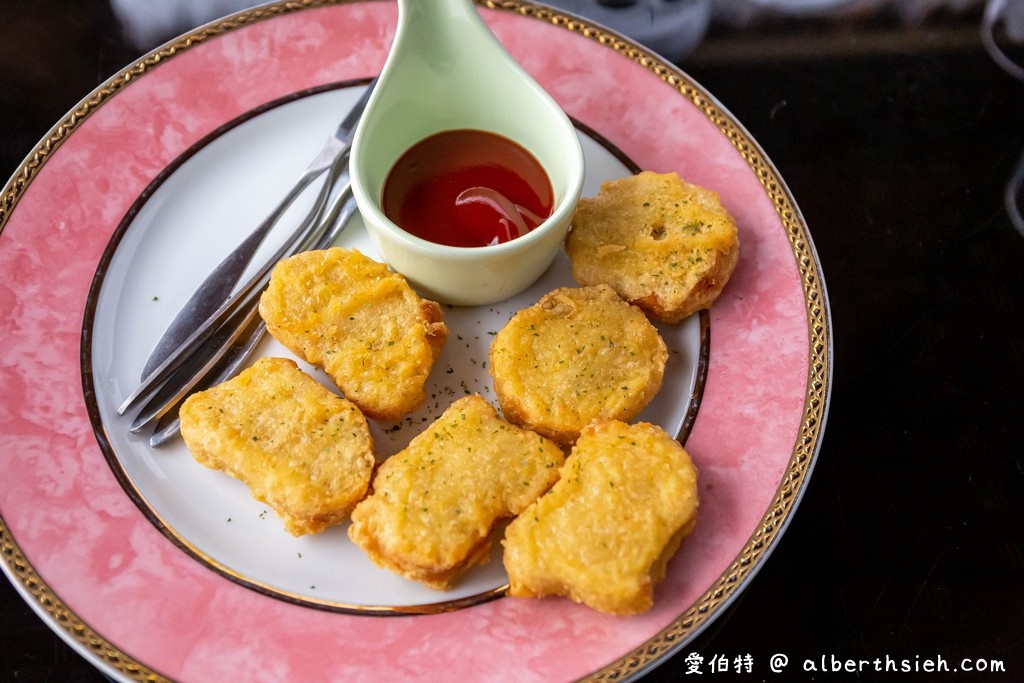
672 28
146 24
1004 21
1014 197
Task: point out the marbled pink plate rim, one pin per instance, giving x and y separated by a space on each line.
94 568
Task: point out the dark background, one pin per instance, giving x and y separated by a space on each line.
897 142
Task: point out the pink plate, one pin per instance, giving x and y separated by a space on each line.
105 578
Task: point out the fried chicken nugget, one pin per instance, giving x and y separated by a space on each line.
604 533
663 244
435 503
361 323
576 355
300 448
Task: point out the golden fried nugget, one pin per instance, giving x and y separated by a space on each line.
663 244
435 503
603 535
576 355
300 448
361 323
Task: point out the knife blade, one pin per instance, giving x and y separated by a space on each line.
219 284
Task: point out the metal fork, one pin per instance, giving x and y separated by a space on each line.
225 354
247 296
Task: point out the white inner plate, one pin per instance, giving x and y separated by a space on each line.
178 231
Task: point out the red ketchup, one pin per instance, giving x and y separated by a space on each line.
467 188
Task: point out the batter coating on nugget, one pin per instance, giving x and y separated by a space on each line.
300 448
576 355
434 504
361 323
663 244
603 535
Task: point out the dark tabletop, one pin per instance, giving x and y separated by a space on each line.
897 142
